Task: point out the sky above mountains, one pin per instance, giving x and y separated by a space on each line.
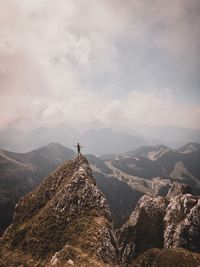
116 61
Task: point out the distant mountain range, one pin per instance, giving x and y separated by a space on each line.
98 137
109 141
18 141
147 170
168 135
158 162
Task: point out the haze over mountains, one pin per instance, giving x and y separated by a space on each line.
98 137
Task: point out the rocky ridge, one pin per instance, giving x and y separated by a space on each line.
66 220
22 172
162 222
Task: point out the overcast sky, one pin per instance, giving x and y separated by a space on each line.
124 61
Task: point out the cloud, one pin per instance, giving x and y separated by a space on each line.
137 107
151 108
108 60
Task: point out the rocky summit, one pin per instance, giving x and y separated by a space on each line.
64 222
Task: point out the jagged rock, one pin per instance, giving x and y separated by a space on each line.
161 187
66 219
162 222
167 257
177 189
144 229
182 223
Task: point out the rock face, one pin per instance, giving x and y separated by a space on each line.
182 223
162 222
66 220
144 229
177 189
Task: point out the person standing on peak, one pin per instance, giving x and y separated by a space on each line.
78 149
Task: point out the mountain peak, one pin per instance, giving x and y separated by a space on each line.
189 148
65 219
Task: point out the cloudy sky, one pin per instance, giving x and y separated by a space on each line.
130 61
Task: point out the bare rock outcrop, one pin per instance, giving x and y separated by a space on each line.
162 222
144 229
182 223
178 189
